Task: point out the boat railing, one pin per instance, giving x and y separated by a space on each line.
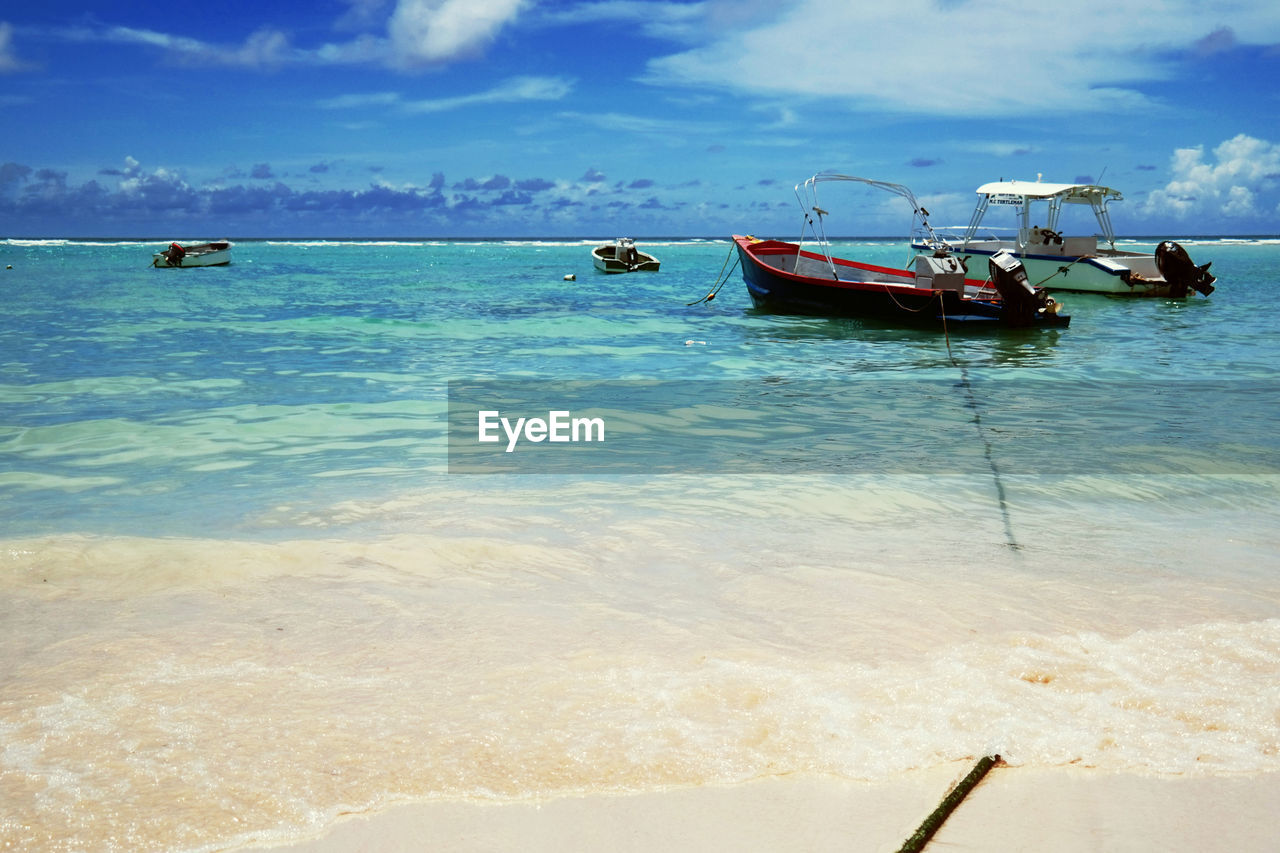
814 214
953 235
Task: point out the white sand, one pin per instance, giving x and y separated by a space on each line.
1043 810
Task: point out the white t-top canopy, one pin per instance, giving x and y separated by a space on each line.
1070 193
1020 195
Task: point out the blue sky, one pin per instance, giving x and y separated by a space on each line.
468 118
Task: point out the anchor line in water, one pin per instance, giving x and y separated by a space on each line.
1060 271
942 308
972 401
721 279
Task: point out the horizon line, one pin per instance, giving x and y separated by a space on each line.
527 237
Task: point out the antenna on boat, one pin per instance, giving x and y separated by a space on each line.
817 228
809 202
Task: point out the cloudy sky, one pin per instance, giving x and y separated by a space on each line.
468 118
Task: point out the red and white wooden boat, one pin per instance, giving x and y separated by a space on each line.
937 290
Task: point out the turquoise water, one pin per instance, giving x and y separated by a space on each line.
175 402
245 587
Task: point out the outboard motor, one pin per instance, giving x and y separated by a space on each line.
174 254
1177 268
1022 302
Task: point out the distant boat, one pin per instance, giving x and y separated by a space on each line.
622 256
787 278
200 255
1059 262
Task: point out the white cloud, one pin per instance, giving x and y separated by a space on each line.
419 32
981 57
361 14
631 123
511 91
657 18
514 90
1239 202
356 101
1242 170
428 31
782 115
9 61
363 49
999 149
263 47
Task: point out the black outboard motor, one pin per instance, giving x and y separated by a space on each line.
1177 268
1022 302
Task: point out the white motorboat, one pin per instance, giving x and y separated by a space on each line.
1055 261
622 256
200 255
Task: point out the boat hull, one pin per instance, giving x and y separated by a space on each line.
1116 273
769 269
605 259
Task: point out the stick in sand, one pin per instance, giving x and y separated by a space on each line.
921 836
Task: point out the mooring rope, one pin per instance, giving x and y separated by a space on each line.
1060 271
972 401
938 293
721 279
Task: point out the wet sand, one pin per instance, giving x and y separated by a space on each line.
1048 810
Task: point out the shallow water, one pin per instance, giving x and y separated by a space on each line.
242 591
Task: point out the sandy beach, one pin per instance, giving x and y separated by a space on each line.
1050 810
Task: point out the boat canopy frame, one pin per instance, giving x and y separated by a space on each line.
814 214
1022 194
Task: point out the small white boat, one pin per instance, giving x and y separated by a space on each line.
622 256
1058 262
200 255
